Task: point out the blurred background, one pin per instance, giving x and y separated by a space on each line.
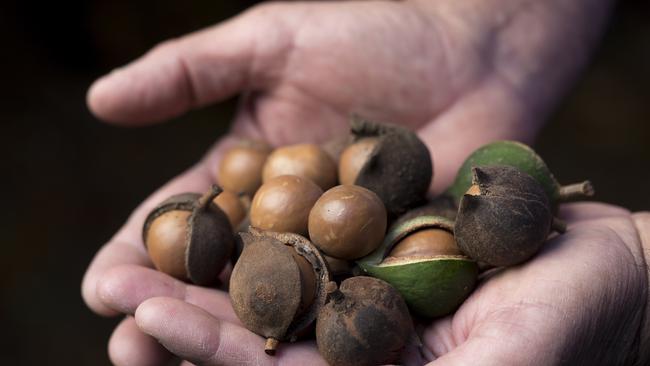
70 181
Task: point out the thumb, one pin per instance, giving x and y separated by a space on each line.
492 347
521 334
246 52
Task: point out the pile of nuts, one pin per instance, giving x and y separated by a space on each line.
356 258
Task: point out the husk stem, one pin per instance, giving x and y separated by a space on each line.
270 346
333 292
203 203
575 192
558 225
362 127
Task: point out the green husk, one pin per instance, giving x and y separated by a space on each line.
431 286
522 157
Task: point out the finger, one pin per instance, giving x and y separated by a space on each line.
126 246
246 52
583 211
112 254
642 223
512 320
124 288
440 337
486 353
307 119
414 354
506 339
487 114
129 346
193 334
446 330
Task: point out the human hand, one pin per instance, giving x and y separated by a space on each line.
458 73
581 300
462 73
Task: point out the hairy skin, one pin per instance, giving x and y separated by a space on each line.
642 222
489 69
461 73
578 302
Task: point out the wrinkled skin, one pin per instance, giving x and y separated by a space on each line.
461 73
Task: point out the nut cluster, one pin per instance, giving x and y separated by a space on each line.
343 236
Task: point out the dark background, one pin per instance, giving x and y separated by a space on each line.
71 181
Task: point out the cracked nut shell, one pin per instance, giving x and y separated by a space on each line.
274 295
364 323
189 237
504 218
399 167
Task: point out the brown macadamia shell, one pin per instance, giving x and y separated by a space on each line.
308 283
232 205
240 169
347 222
339 268
283 203
303 160
167 243
427 243
354 157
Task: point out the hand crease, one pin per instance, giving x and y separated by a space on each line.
188 80
644 314
440 32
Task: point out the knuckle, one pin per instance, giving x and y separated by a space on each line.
267 8
642 223
642 217
166 47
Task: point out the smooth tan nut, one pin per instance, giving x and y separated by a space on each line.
166 242
354 157
347 222
426 243
308 285
424 266
339 267
303 160
240 170
283 203
232 206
